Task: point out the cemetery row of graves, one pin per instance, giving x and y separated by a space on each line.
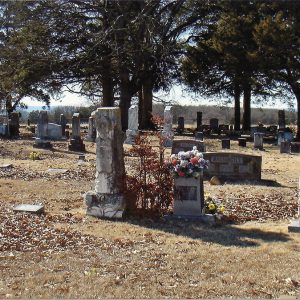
189 160
67 252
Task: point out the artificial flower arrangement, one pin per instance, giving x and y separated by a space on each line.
187 164
213 206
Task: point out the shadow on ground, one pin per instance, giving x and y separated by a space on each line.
225 235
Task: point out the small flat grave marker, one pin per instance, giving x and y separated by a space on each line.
32 208
6 166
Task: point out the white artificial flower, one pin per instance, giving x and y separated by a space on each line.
173 156
183 163
199 155
181 154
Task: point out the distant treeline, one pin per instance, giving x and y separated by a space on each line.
225 115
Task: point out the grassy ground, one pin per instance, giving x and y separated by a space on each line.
66 254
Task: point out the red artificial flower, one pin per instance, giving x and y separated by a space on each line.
181 174
174 162
194 160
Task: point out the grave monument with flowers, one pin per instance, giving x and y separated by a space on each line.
187 169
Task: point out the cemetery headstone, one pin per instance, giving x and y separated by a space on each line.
295 225
258 140
285 147
225 143
187 145
295 147
133 124
229 165
285 135
42 131
188 196
32 208
76 143
14 124
281 119
91 137
63 123
167 132
180 127
4 128
199 120
223 128
54 131
199 136
242 142
107 199
214 124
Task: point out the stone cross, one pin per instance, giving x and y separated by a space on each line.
107 199
167 132
133 124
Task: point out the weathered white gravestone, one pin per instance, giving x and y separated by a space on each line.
295 226
91 130
42 131
133 124
167 132
107 199
76 143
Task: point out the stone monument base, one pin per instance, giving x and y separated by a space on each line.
104 205
42 144
76 144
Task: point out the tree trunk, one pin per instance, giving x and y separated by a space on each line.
146 105
125 97
237 107
296 91
107 85
247 107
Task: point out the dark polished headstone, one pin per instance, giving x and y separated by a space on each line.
231 165
242 142
295 147
225 143
199 136
199 120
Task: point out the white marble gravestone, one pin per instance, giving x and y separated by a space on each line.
133 124
167 132
107 199
91 136
295 225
